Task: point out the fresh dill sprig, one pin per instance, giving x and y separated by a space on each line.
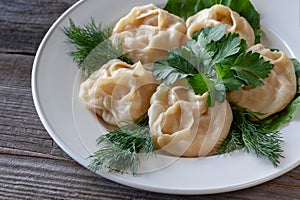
93 47
85 38
122 146
251 135
231 143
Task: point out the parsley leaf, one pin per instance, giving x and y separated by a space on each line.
213 62
169 70
251 68
230 46
260 136
207 34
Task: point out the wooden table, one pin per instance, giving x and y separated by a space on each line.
32 166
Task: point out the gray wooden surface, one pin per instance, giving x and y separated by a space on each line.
32 166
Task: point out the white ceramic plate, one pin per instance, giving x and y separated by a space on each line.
55 85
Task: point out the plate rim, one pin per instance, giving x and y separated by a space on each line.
120 180
34 86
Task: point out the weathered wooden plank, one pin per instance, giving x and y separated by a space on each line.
23 137
20 127
58 180
24 23
32 166
39 178
15 72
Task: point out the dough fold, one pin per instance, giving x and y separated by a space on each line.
217 15
147 33
279 88
119 92
182 124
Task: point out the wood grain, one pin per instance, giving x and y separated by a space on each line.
25 22
32 166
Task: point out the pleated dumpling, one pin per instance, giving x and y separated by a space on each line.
278 90
148 32
182 124
119 92
217 15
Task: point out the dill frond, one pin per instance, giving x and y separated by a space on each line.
122 146
93 47
252 136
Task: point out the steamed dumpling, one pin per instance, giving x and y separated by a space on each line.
148 32
217 15
182 124
119 91
278 90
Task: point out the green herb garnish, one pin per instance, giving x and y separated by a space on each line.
252 136
261 136
297 71
122 146
276 121
93 46
214 62
285 116
187 8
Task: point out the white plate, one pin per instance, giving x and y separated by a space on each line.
75 129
